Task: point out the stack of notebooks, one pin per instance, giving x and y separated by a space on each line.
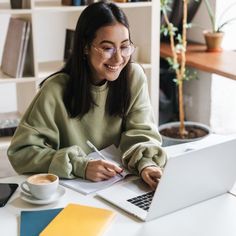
72 2
15 48
73 220
8 123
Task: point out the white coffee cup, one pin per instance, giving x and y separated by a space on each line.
41 186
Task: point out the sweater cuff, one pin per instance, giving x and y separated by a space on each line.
145 162
69 162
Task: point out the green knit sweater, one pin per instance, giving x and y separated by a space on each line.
47 140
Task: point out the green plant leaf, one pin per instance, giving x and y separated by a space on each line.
211 15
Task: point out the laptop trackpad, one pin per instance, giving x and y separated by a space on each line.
137 186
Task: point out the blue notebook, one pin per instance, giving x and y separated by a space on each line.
32 223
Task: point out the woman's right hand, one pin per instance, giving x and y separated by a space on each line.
98 170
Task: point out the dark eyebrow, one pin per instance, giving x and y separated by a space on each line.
110 42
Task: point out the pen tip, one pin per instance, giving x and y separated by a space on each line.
89 143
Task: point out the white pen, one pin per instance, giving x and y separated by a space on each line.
100 154
96 150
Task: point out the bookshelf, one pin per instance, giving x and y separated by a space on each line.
49 20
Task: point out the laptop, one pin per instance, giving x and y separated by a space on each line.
188 178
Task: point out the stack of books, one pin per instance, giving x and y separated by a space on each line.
76 2
15 47
72 220
8 123
20 4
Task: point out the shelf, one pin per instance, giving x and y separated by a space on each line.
58 8
222 63
18 80
134 4
15 11
50 5
7 79
4 142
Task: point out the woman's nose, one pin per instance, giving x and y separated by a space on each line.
117 56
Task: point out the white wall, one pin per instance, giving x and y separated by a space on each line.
223 107
230 29
197 98
8 91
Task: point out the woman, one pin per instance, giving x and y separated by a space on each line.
99 96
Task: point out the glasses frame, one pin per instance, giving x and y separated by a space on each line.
115 50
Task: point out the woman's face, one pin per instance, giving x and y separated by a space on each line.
105 54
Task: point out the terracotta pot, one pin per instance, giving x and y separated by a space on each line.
120 1
168 141
213 41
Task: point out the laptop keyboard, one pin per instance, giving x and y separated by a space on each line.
143 201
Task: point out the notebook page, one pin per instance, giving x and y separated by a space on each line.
86 186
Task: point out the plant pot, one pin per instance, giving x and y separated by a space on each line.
193 127
213 41
120 1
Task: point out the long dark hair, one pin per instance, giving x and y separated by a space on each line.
77 97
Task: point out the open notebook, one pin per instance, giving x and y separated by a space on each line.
85 186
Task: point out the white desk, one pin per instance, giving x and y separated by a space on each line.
213 217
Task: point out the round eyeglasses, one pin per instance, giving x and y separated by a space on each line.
109 52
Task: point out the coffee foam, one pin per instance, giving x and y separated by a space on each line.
43 179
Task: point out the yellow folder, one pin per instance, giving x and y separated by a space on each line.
79 220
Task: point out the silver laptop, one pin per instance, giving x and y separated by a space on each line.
188 178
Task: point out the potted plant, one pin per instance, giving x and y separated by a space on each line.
214 36
182 131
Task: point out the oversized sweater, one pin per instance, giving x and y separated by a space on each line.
48 140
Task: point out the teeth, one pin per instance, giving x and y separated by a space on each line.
113 67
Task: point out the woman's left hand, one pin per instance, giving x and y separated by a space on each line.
151 175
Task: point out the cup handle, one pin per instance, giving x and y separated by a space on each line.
25 189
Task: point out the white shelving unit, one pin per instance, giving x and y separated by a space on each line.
49 20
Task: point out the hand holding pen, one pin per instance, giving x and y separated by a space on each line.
98 170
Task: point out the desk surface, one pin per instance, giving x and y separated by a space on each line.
222 63
213 217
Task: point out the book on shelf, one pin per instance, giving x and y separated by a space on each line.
20 4
25 49
84 186
28 66
32 223
15 47
77 219
77 2
69 40
66 2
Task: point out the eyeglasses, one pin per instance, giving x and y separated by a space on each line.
109 52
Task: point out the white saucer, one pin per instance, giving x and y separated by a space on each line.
28 198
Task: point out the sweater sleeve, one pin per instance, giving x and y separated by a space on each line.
141 141
35 146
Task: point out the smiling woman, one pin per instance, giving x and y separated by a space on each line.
109 53
99 95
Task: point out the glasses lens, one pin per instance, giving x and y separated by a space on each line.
127 51
108 53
